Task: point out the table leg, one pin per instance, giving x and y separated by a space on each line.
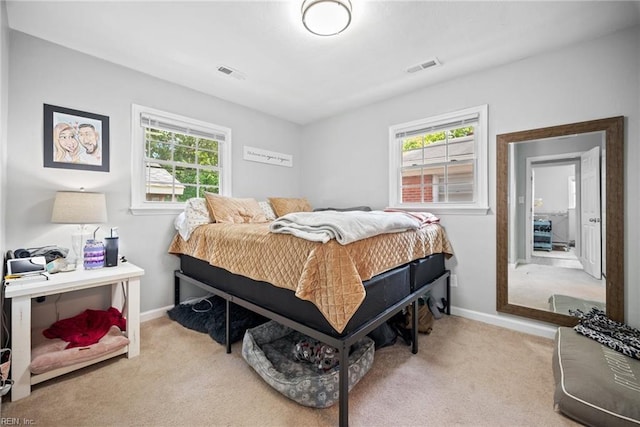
20 347
132 287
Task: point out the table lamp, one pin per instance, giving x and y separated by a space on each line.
81 208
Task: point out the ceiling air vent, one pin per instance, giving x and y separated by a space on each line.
423 65
231 72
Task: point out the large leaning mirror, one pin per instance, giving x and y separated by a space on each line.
560 221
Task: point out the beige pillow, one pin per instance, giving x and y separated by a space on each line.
282 205
232 210
195 214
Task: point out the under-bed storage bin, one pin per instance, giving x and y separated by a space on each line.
423 271
382 291
269 349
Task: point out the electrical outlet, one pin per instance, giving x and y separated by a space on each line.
453 281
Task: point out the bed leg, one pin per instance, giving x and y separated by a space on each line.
414 328
176 289
448 305
227 331
343 385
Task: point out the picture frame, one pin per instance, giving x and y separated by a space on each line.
75 139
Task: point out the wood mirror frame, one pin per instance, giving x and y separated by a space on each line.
614 144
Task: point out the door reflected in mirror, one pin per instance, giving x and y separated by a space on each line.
555 259
560 221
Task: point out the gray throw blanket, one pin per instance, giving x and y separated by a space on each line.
345 227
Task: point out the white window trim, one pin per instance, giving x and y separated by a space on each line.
139 204
481 206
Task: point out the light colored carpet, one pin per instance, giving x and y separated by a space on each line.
466 373
532 284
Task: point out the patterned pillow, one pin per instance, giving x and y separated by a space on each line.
233 210
195 214
268 210
283 206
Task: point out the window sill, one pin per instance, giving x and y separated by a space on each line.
156 210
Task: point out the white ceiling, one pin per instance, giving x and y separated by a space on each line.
294 75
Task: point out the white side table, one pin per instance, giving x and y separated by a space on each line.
21 294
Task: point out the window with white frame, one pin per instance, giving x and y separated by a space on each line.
176 158
440 163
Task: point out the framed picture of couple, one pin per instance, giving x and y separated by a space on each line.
75 139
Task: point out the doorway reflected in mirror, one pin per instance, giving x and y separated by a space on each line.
560 268
560 221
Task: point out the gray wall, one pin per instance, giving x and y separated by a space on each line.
4 100
341 161
42 72
587 81
549 187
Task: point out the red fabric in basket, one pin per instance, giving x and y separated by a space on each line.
87 327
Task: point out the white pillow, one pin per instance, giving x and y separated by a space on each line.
195 214
180 224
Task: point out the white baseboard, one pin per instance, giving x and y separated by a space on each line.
154 314
509 322
518 262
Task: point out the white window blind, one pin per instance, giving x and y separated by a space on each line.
472 120
163 123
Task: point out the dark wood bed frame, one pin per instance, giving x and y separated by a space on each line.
341 342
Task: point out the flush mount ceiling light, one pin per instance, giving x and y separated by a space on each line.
326 17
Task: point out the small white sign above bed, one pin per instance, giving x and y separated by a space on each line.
265 156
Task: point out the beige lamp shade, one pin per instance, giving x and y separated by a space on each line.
79 207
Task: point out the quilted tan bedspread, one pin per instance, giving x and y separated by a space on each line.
329 275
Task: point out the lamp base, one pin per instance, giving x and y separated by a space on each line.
77 245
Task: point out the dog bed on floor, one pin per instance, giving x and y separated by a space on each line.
595 384
49 354
273 351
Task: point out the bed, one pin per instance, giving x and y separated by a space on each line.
332 292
